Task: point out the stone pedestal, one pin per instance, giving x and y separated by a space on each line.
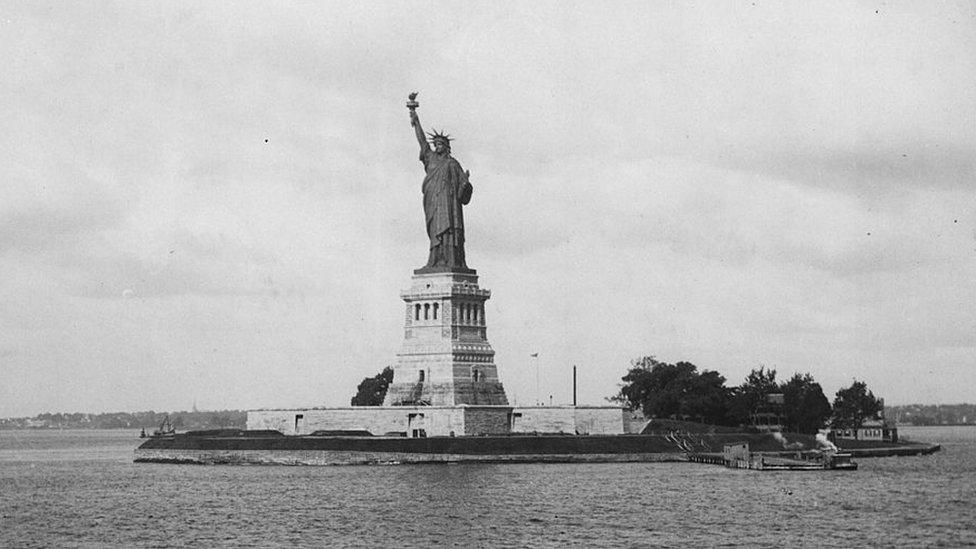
445 359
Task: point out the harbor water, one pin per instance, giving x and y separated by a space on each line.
81 489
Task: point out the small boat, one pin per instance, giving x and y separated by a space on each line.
165 429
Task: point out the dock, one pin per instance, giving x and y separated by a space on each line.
738 456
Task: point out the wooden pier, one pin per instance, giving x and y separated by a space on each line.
738 456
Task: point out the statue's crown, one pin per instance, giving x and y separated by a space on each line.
438 135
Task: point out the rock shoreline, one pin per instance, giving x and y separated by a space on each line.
246 448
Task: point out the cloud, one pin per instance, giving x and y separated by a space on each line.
716 214
55 207
878 171
723 184
232 271
42 227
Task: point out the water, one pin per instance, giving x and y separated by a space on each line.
81 489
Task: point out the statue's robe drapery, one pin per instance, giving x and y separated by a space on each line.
446 188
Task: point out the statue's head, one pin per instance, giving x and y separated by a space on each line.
440 141
442 146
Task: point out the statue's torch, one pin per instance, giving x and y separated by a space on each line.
412 104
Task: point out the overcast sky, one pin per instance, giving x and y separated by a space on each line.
215 203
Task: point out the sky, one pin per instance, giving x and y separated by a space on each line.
217 204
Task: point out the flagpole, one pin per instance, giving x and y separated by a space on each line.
535 360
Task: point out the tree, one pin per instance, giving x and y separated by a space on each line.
656 387
707 399
805 407
372 390
749 397
637 383
660 389
855 405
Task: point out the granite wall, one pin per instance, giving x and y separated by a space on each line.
444 420
378 420
584 420
485 420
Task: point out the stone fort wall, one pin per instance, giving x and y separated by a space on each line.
584 420
444 420
378 420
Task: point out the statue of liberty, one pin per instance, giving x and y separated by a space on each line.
446 189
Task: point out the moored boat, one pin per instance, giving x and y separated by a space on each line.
739 456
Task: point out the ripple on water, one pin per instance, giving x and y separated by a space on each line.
81 489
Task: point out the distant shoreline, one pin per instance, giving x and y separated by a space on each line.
149 420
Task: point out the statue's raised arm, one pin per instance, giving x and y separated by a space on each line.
412 104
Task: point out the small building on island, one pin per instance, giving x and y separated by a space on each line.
875 429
